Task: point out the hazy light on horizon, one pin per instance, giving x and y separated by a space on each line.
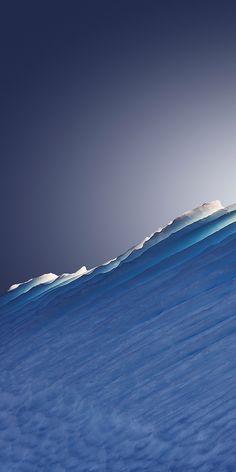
115 121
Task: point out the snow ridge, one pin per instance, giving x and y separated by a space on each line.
202 211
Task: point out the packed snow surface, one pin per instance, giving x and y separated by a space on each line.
129 366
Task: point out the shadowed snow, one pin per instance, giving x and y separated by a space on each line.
131 369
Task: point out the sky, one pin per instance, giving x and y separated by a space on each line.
115 117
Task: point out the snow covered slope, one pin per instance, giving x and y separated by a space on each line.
129 366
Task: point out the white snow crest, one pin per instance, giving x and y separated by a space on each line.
41 279
198 213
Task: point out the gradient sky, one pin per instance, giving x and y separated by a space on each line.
115 117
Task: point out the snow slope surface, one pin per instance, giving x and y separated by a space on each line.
129 366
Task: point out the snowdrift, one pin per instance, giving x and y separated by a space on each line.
129 366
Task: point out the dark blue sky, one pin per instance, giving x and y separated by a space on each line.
115 117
